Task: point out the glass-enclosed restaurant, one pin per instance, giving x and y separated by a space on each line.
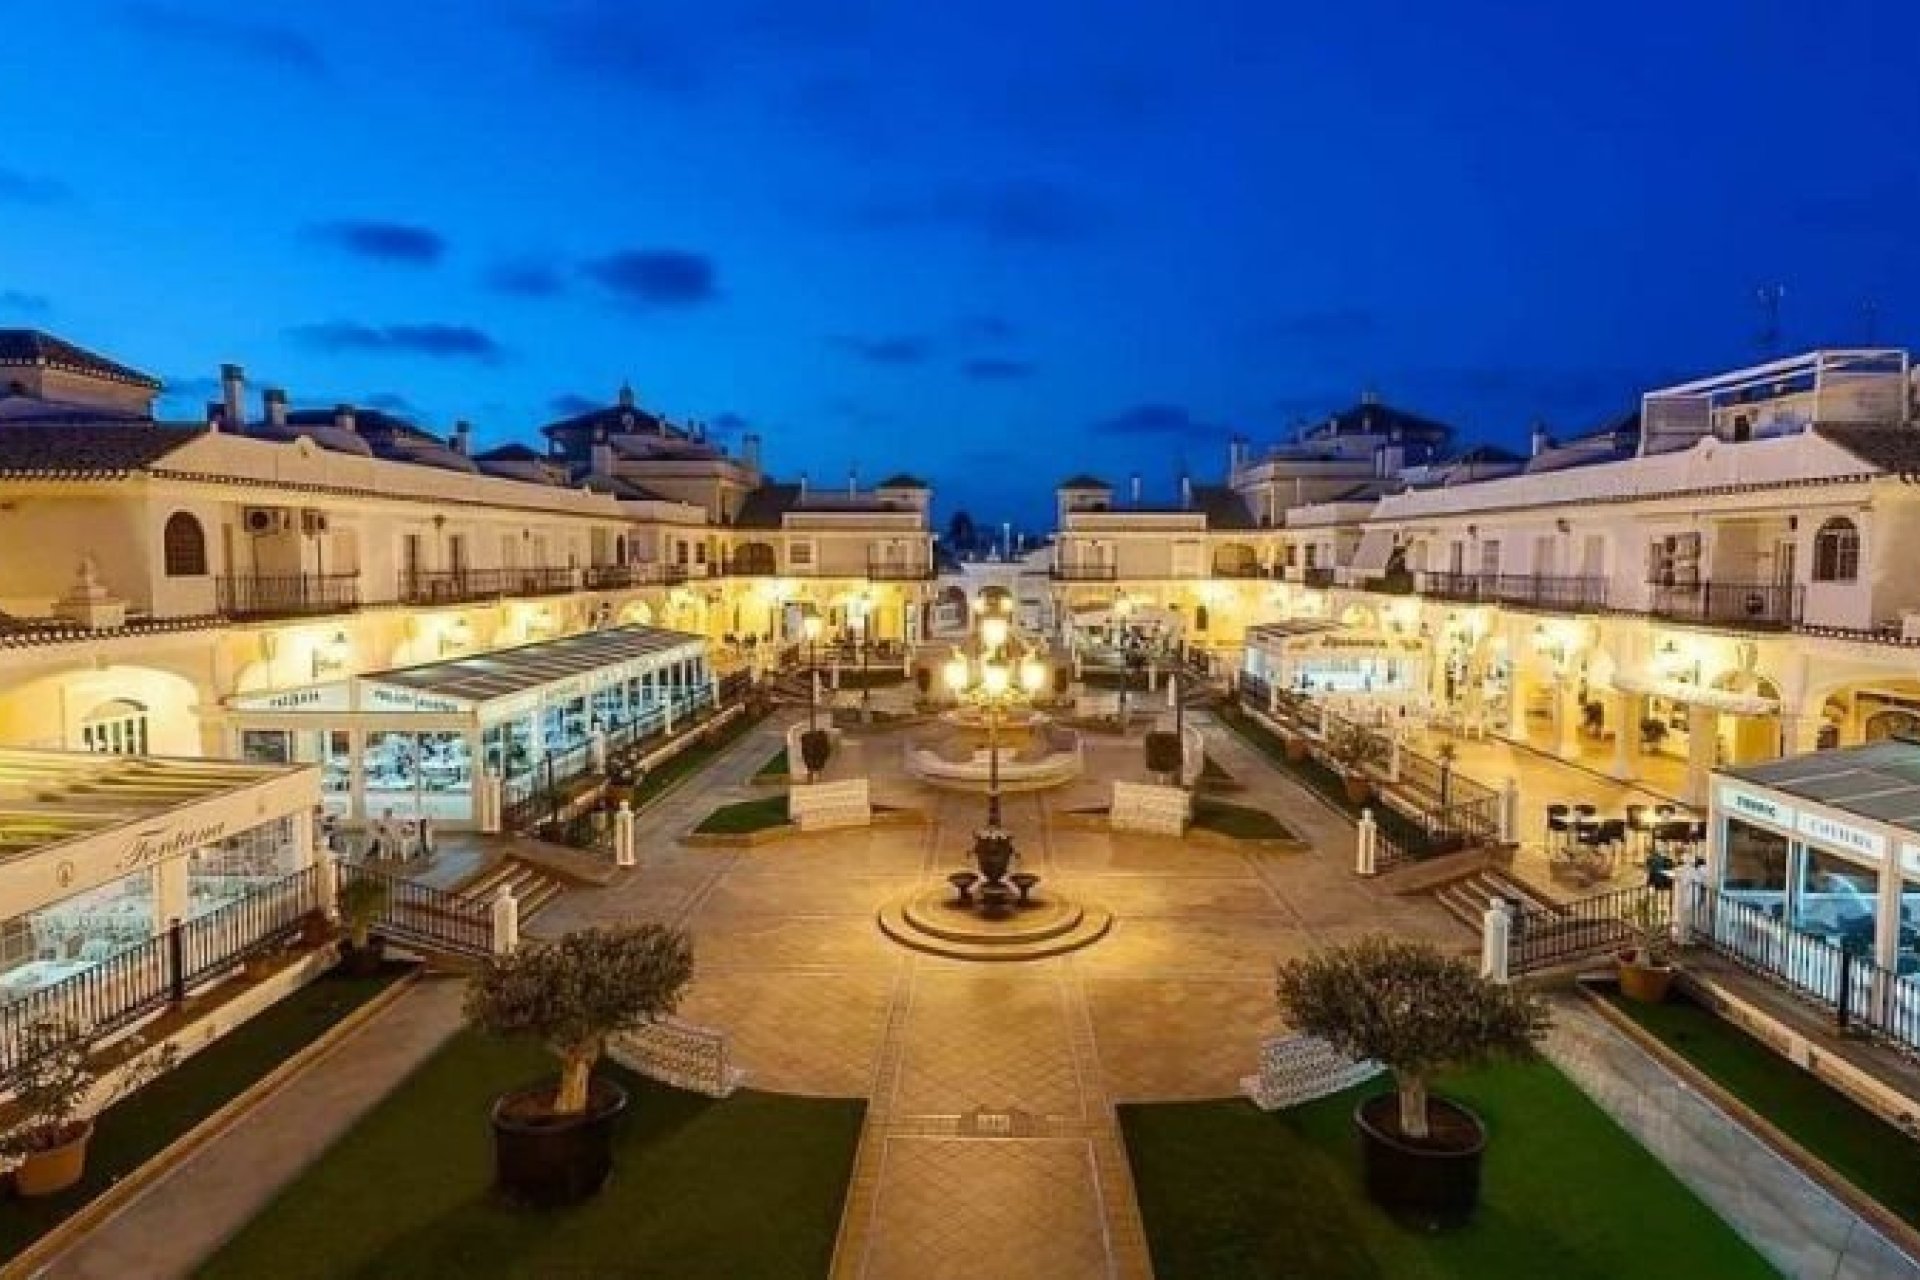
409 741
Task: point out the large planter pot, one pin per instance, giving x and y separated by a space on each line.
1647 983
49 1172
1359 789
363 962
1433 1184
1297 749
993 854
546 1161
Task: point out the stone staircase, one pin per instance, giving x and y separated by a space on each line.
533 887
1465 899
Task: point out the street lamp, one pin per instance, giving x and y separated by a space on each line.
858 618
811 629
993 677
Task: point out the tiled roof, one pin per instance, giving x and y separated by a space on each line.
35 409
903 481
34 348
92 451
1223 507
511 453
766 505
1374 418
621 487
1084 481
1892 449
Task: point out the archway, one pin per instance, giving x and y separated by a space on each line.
754 558
120 709
1235 560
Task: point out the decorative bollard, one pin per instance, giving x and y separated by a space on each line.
623 847
327 884
506 921
1367 844
1510 812
1496 932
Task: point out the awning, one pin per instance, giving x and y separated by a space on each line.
1376 548
1690 694
555 668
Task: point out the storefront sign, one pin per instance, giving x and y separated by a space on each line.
383 698
158 843
1843 835
1910 858
1755 807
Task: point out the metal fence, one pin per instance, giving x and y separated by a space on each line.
1544 937
131 984
437 919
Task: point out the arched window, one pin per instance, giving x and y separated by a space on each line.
185 547
116 728
1836 551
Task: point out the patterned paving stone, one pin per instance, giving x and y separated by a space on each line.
1161 1038
804 1033
986 1039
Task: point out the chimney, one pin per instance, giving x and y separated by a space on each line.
1369 396
276 401
853 482
233 395
626 395
463 438
1186 492
803 486
1133 488
216 415
1541 440
343 418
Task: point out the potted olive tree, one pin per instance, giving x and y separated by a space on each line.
1644 967
57 1079
1417 1011
1164 754
362 901
1355 751
816 748
553 1141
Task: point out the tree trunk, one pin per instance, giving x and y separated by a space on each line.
576 1069
1413 1104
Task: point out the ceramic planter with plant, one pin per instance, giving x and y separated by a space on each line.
1356 751
362 901
553 1141
1164 755
1416 1011
1645 966
816 748
52 1090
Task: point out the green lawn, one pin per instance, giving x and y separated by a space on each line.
1239 821
1866 1150
139 1126
744 817
1229 1192
751 1186
1211 772
776 767
691 761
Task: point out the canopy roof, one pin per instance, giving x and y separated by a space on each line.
490 677
1880 781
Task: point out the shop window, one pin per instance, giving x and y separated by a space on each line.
1835 900
184 545
1836 551
116 728
1756 863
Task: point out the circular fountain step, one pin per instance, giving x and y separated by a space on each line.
931 920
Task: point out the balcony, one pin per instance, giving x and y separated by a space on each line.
1766 606
883 569
295 595
616 577
1085 572
461 586
1317 576
1523 590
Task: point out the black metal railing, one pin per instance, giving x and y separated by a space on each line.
1524 590
1541 938
287 595
613 577
455 586
1084 572
1847 983
424 916
1764 605
1319 577
1239 568
131 984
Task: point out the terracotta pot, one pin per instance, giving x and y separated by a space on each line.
547 1161
363 962
49 1172
1432 1185
1297 750
1359 789
1647 983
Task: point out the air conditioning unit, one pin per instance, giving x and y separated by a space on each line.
264 520
312 521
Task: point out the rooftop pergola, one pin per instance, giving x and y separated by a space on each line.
1682 412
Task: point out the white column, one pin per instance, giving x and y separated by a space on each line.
328 888
506 922
597 750
1366 844
1496 929
1393 757
1566 719
1703 728
170 901
623 840
1623 710
304 836
356 775
489 802
1510 811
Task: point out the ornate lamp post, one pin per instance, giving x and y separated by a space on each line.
811 628
994 677
860 618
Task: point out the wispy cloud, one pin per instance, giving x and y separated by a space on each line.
20 187
437 340
570 404
383 241
21 302
269 42
526 277
901 349
989 369
656 278
1011 211
1156 419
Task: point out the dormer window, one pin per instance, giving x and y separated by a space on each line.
1836 551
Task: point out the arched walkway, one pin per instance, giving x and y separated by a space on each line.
122 709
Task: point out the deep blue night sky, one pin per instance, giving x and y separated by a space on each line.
990 243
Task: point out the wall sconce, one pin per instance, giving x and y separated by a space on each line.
456 636
330 655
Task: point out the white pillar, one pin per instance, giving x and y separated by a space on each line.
170 900
623 844
1393 757
328 886
1496 929
506 922
1510 811
833 673
1624 710
1703 729
1566 719
489 802
1273 699
305 837
1681 924
597 751
356 775
1366 844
